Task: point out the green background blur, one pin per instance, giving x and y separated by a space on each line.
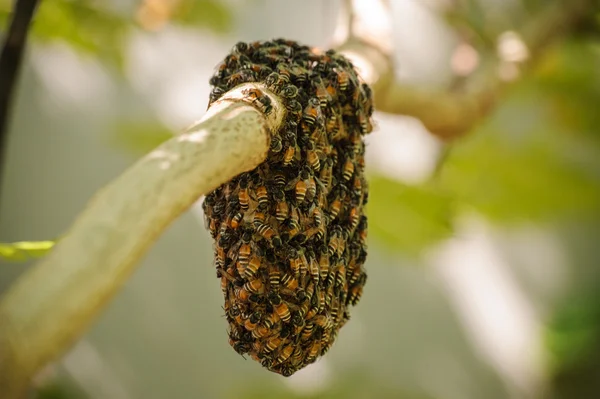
484 260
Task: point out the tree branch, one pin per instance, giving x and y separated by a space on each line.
53 303
447 114
10 62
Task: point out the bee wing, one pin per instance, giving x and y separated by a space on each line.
234 251
292 183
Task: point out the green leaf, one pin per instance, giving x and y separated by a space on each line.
139 137
205 13
574 332
92 30
24 250
408 218
528 161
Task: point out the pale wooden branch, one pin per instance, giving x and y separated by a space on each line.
55 301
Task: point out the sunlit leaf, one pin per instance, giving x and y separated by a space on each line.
574 331
407 218
569 75
24 250
139 137
211 14
526 164
88 28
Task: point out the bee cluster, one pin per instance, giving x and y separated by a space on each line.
290 235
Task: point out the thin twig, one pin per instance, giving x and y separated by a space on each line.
10 62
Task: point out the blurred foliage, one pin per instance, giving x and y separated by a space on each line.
573 342
24 250
211 14
350 385
59 389
408 217
537 158
94 28
574 331
139 137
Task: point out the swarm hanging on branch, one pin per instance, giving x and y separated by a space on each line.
290 235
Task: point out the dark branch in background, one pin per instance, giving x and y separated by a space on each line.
10 62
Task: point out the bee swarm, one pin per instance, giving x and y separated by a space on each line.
290 235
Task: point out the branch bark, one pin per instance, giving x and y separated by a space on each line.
53 303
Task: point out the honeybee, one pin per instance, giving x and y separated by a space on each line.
259 218
269 234
312 157
220 257
297 320
297 357
254 264
303 265
317 232
313 352
327 173
273 81
294 259
240 347
252 321
355 272
279 181
364 122
294 109
272 344
243 196
281 308
340 278
348 170
313 267
362 228
343 79
300 74
312 112
257 95
308 331
241 77
290 151
323 95
300 185
323 262
282 208
276 144
334 240
326 341
285 353
289 282
289 92
323 321
254 286
336 204
263 197
274 277
284 74
243 252
354 218
240 48
355 294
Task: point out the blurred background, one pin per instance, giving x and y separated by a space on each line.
484 266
